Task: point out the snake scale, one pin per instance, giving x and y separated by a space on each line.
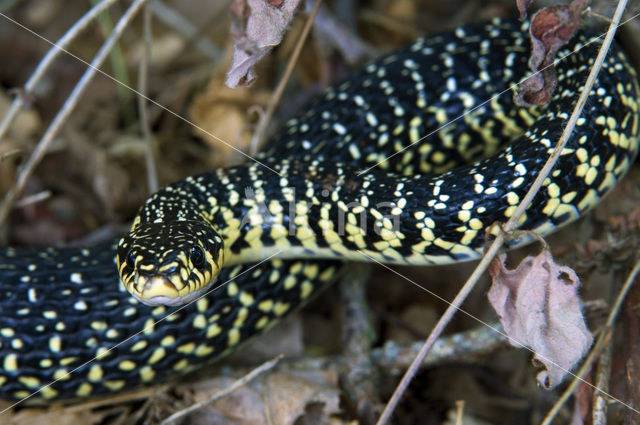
323 192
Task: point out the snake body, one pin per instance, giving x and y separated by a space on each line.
63 307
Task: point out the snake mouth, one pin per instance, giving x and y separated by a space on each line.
158 290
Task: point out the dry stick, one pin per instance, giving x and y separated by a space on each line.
44 64
600 394
603 338
357 372
143 72
217 396
67 108
144 393
600 400
258 134
510 225
603 375
32 199
9 154
459 412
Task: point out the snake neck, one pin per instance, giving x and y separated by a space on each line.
329 210
306 204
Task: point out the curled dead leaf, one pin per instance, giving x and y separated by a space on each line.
276 398
539 308
257 27
550 29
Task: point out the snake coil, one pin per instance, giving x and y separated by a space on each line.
354 159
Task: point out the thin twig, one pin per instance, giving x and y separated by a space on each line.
511 224
116 398
341 34
615 309
462 346
603 368
45 63
32 199
66 108
119 67
604 336
357 373
459 412
259 133
143 72
9 154
603 375
631 354
231 388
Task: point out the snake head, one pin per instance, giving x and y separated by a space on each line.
169 264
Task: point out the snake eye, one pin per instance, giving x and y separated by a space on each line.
197 256
131 259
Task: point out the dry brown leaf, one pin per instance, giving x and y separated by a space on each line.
26 123
165 50
550 29
56 416
221 113
539 307
257 27
11 154
277 398
293 397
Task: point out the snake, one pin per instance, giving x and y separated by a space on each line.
360 175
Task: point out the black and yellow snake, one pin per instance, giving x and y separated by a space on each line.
349 179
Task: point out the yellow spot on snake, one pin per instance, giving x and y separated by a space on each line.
55 344
289 282
213 330
246 299
199 322
306 289
140 345
158 354
168 341
29 381
48 392
551 206
202 304
281 308
95 373
265 306
233 337
427 234
114 385
186 348
84 389
242 315
126 365
10 363
262 322
147 374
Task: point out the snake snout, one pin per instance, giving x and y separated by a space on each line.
170 265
